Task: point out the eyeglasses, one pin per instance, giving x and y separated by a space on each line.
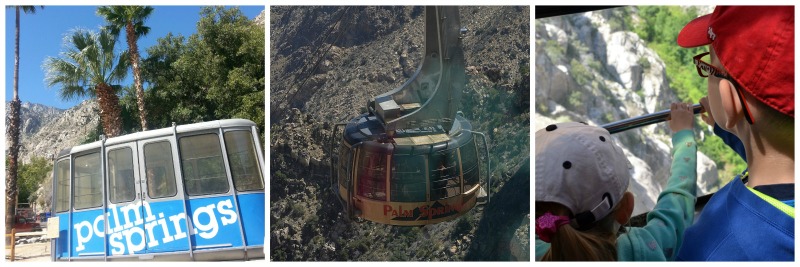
704 70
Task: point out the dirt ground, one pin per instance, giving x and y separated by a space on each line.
30 252
34 252
37 252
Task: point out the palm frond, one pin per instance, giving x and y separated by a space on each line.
119 16
120 71
88 59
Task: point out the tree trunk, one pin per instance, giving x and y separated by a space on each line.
137 76
13 134
16 57
13 164
109 110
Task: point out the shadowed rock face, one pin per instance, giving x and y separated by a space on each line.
378 49
504 216
586 71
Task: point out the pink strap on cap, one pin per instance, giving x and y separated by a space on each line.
547 224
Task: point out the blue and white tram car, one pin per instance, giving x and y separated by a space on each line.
189 192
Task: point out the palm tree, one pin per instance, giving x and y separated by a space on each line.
132 19
13 123
90 67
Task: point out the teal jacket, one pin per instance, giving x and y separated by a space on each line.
661 238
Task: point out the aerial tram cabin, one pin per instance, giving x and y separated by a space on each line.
413 158
188 192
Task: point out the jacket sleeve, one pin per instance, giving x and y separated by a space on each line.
674 210
541 248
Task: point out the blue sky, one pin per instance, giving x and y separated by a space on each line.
42 33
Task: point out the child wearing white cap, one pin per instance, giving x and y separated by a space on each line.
581 195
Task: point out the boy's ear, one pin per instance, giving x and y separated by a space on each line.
734 112
623 214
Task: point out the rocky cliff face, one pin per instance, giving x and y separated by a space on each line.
586 71
326 63
34 116
47 130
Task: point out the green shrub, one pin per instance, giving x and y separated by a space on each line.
579 72
644 63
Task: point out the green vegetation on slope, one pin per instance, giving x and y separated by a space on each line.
659 27
31 175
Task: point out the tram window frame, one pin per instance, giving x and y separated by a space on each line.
112 172
370 185
239 175
469 165
94 191
164 165
401 180
446 172
62 185
190 172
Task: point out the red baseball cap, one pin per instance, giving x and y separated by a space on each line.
755 44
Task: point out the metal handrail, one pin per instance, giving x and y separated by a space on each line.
636 122
333 147
488 166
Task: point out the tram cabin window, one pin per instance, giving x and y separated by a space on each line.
345 161
121 183
88 189
243 161
62 186
469 163
202 164
159 172
372 176
157 183
408 179
445 180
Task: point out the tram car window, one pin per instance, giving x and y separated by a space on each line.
88 182
159 172
372 181
243 161
469 163
201 159
408 179
62 191
345 157
120 176
445 181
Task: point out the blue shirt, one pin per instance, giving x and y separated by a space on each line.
738 225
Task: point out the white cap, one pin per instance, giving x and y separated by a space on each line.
580 167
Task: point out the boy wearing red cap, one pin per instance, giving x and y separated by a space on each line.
750 71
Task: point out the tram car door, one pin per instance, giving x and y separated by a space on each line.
161 196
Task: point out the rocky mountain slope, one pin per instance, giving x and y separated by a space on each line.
47 130
326 63
587 71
